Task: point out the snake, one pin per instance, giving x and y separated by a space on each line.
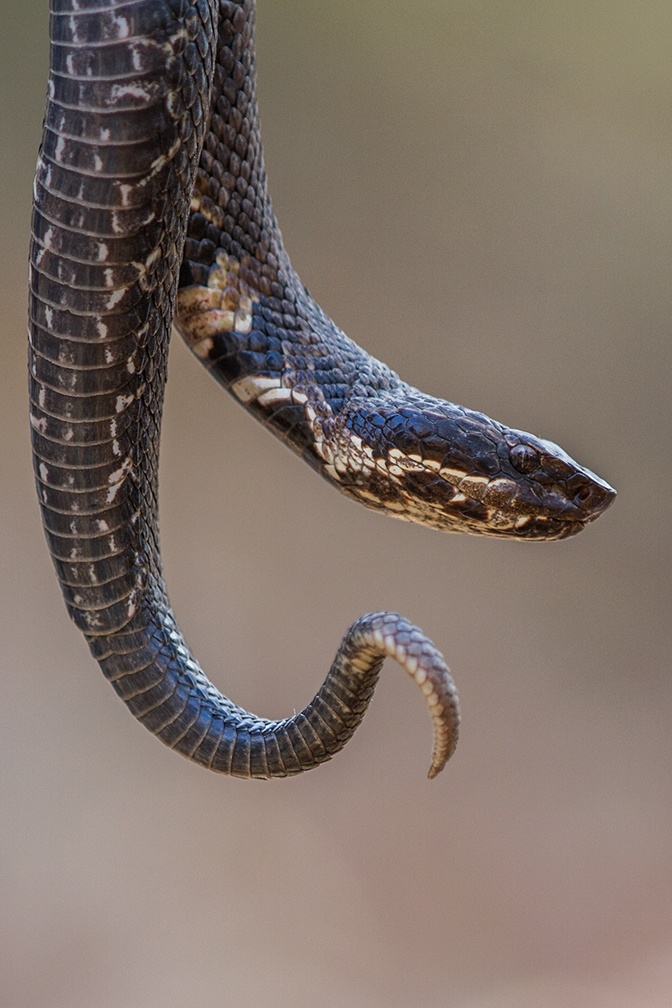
152 212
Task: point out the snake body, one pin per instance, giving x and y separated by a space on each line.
151 207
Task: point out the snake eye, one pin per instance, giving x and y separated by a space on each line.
524 458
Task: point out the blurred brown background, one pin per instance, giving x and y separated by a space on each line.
479 193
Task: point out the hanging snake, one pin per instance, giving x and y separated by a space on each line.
151 209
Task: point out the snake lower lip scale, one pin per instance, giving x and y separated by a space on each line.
151 205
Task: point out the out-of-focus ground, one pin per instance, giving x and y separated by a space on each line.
479 193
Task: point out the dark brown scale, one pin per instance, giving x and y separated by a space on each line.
151 177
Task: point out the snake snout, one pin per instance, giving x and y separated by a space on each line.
590 494
586 495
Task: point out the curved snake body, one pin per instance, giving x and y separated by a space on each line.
151 206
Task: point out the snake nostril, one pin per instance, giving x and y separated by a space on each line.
583 495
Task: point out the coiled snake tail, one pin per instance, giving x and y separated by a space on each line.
151 205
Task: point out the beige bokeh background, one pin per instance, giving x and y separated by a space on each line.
479 193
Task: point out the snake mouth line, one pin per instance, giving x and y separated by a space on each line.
557 515
536 529
551 529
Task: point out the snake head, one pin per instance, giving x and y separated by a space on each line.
438 464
